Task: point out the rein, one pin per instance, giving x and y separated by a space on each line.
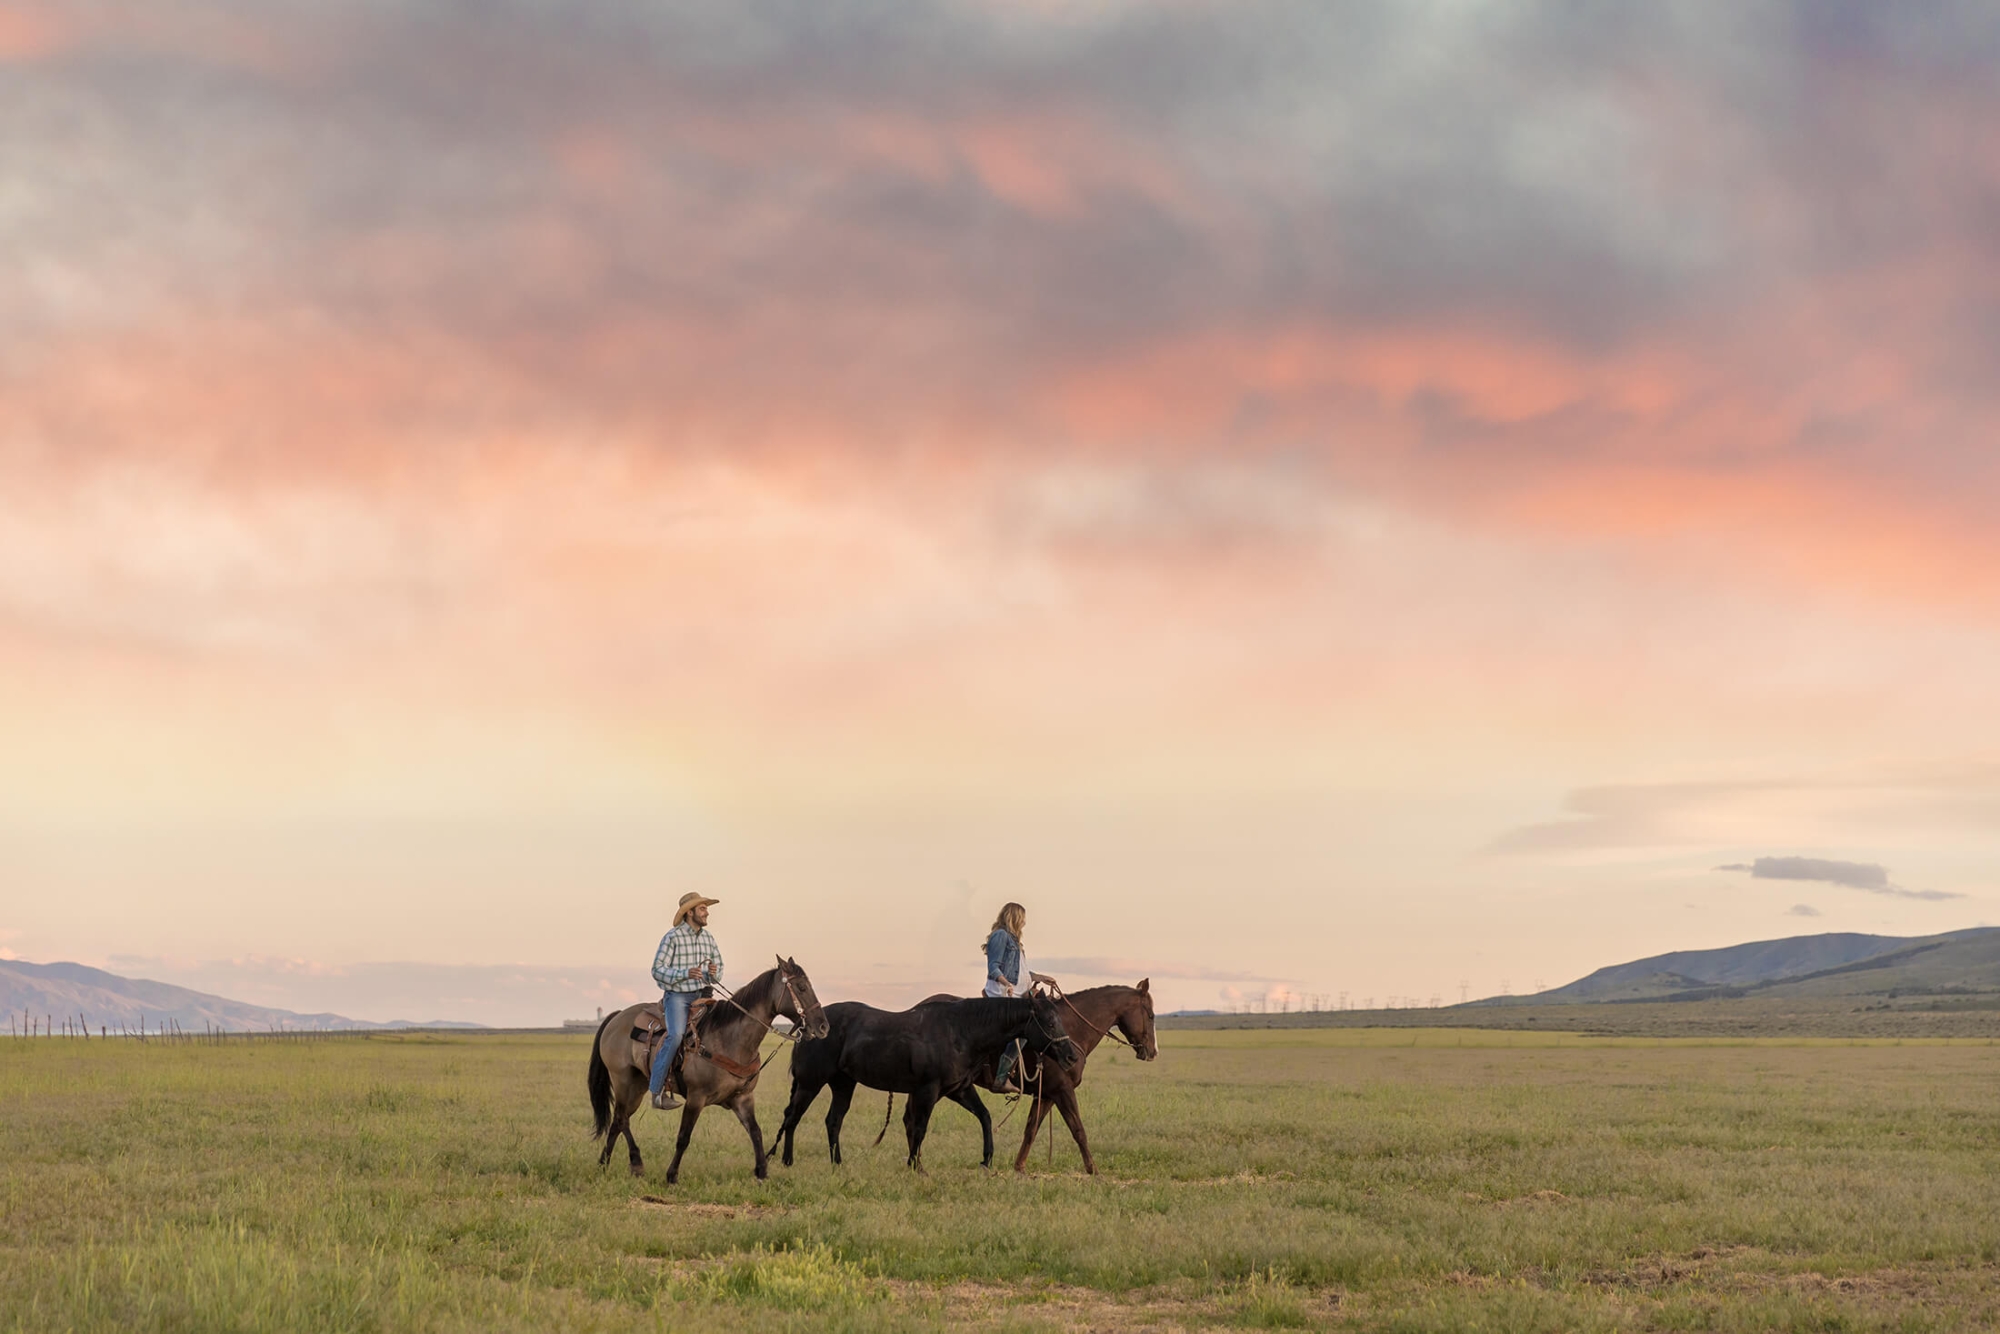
792 1036
1104 1032
737 1068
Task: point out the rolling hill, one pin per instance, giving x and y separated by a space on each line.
1833 964
106 1000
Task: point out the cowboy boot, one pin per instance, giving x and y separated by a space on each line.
664 1100
1007 1078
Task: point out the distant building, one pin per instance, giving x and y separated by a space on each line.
584 1025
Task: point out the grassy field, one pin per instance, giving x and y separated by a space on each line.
1370 1179
1842 1017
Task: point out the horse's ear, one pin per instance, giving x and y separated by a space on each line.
780 958
1145 984
792 963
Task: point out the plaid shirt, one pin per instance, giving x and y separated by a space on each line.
681 949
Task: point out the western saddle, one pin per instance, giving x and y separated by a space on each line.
649 1030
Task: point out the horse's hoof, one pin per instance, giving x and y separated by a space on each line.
638 1171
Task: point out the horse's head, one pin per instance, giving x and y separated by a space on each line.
1046 1034
1135 1021
800 1004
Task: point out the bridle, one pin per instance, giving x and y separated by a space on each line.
791 994
1051 1039
1104 1032
737 1068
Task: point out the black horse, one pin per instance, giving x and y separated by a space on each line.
930 1052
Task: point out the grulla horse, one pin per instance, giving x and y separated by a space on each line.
720 1065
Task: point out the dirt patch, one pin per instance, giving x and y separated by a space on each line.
697 1209
1707 1269
1061 1306
1246 1177
974 1305
1461 1278
1536 1197
1647 1274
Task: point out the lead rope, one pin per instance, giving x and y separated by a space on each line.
1048 1131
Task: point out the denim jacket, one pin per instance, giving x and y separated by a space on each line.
1003 956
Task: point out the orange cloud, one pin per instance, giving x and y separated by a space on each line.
1200 384
32 32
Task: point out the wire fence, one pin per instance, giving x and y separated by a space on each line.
25 1024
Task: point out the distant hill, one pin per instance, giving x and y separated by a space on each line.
1833 964
69 990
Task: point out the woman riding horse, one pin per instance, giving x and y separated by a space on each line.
1007 972
1089 1017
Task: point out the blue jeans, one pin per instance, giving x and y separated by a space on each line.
673 1008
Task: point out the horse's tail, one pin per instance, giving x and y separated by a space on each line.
885 1118
600 1081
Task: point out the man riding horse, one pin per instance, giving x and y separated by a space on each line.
686 965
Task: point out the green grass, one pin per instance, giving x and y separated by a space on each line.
1892 1016
1376 1179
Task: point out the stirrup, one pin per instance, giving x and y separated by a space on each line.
665 1101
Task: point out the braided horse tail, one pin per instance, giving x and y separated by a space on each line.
885 1118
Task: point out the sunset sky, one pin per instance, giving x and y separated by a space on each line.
1367 498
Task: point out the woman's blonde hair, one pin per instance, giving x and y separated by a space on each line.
1013 919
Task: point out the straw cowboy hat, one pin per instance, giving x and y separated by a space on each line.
689 902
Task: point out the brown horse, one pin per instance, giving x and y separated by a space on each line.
1088 1016
720 1066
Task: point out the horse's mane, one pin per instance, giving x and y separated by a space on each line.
723 1018
981 1017
1109 986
